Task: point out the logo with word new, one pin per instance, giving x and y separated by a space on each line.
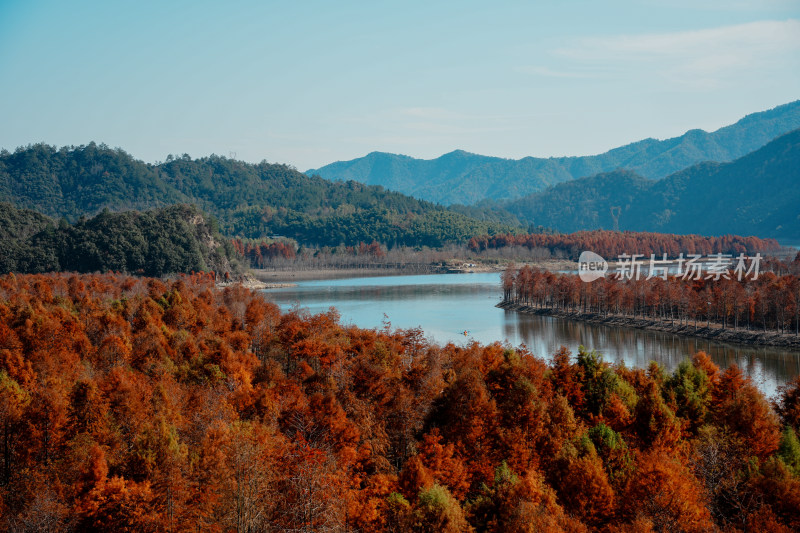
591 266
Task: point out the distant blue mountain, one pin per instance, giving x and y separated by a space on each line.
757 194
465 178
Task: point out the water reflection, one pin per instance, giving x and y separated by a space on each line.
446 306
770 367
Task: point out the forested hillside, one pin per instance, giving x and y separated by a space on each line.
70 182
161 241
249 200
462 177
131 404
755 195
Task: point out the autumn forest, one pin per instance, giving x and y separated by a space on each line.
143 404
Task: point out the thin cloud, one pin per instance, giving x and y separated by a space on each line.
700 58
764 36
435 120
444 128
442 114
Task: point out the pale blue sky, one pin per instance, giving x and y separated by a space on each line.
309 83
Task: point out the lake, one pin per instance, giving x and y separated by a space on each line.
446 306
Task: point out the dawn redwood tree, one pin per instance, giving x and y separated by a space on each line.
738 405
666 493
583 486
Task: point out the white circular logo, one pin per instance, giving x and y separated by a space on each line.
591 266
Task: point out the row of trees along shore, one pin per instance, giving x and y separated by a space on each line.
137 404
769 302
614 243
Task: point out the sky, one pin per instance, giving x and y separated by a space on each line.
308 83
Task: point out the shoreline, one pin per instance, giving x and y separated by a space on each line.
288 277
270 276
249 281
714 333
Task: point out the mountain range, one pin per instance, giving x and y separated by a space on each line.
460 177
757 194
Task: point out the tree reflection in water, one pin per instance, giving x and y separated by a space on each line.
543 335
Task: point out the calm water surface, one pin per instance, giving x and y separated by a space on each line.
447 305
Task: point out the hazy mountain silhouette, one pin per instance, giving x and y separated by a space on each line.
462 177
